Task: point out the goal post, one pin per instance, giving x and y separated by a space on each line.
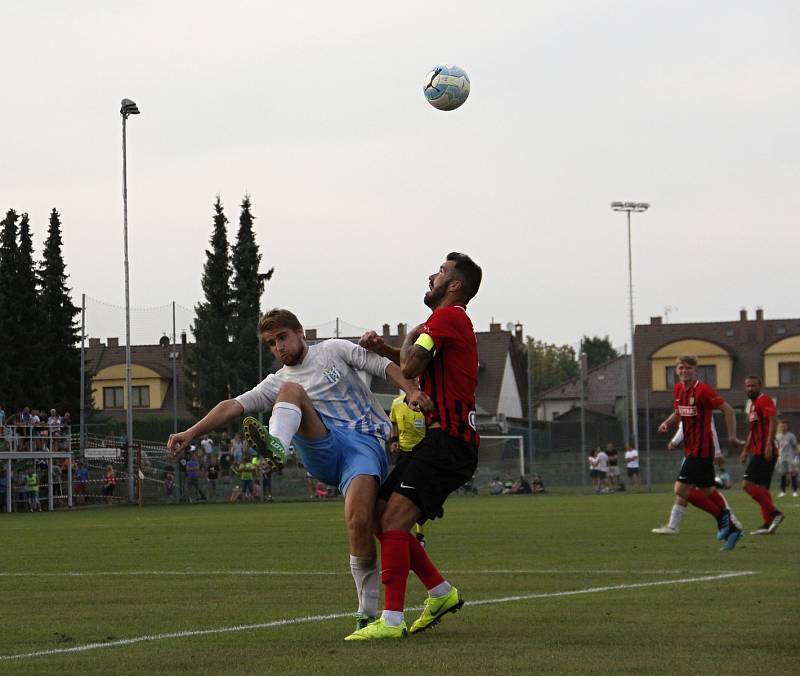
503 454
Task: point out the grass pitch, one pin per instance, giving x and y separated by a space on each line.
560 583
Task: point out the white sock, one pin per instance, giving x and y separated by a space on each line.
676 516
393 618
441 589
284 422
365 575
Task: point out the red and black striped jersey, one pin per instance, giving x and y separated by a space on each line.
451 377
761 410
695 405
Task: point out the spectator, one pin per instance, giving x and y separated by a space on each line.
109 484
212 475
208 450
594 473
632 465
537 485
614 479
169 485
310 487
32 485
237 448
3 491
602 468
787 458
225 462
81 482
54 430
244 470
495 486
266 481
521 486
321 491
193 477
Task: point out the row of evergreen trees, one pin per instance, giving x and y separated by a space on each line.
224 361
39 331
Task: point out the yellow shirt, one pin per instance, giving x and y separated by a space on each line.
410 423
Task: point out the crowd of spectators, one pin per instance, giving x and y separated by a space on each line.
31 429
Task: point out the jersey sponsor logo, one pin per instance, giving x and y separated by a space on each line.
332 373
472 420
687 411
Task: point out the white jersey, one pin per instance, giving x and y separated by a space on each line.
677 440
632 459
329 375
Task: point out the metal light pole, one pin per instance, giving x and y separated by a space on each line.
628 207
127 108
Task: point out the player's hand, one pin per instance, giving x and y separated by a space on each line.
768 455
419 401
670 446
371 341
177 443
743 457
663 427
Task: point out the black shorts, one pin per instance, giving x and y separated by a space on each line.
759 471
696 471
632 471
426 475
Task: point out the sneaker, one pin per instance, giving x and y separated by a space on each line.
764 530
666 530
421 539
378 629
363 620
270 448
782 494
777 519
724 524
733 537
435 608
794 494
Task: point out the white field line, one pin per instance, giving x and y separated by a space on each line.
323 573
335 616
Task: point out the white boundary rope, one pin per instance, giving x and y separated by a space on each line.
335 616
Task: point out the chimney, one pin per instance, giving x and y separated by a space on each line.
759 314
401 330
112 342
494 328
656 321
311 334
743 314
518 332
183 340
760 325
386 331
94 342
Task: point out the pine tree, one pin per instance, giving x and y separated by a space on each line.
31 329
61 333
209 363
11 316
248 287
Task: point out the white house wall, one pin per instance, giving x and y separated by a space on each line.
509 401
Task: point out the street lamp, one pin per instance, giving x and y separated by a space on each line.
127 108
628 207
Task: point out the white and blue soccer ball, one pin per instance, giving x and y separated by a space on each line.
446 87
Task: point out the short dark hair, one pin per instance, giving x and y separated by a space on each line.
690 359
468 272
758 378
278 318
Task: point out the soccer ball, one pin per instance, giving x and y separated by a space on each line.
446 87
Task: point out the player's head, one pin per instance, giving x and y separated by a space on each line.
457 281
752 385
686 368
282 333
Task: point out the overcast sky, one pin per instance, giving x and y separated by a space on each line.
360 187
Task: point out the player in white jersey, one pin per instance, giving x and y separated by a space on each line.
320 404
673 527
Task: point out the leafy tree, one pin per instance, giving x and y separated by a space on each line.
12 315
598 350
248 287
210 361
60 355
551 364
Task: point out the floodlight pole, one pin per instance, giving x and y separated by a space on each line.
628 207
127 108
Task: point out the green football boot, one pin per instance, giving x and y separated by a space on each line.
434 608
363 620
378 629
270 448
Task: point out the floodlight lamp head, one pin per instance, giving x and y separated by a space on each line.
128 107
616 206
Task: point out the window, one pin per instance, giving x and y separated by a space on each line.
112 397
141 396
789 373
706 374
730 333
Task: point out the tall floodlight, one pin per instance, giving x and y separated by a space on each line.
127 108
635 207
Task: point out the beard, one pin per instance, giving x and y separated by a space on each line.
753 395
434 295
291 358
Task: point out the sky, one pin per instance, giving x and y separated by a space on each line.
360 188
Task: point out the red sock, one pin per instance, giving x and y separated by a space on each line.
764 498
702 501
717 499
422 565
395 564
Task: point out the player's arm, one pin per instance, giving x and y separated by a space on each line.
374 343
730 424
769 449
746 448
677 439
669 422
416 353
415 397
217 417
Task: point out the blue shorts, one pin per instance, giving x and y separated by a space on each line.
343 454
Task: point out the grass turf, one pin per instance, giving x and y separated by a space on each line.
255 564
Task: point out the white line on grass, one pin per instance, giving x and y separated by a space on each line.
311 573
336 616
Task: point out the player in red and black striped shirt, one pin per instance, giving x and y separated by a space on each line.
694 404
761 445
443 353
